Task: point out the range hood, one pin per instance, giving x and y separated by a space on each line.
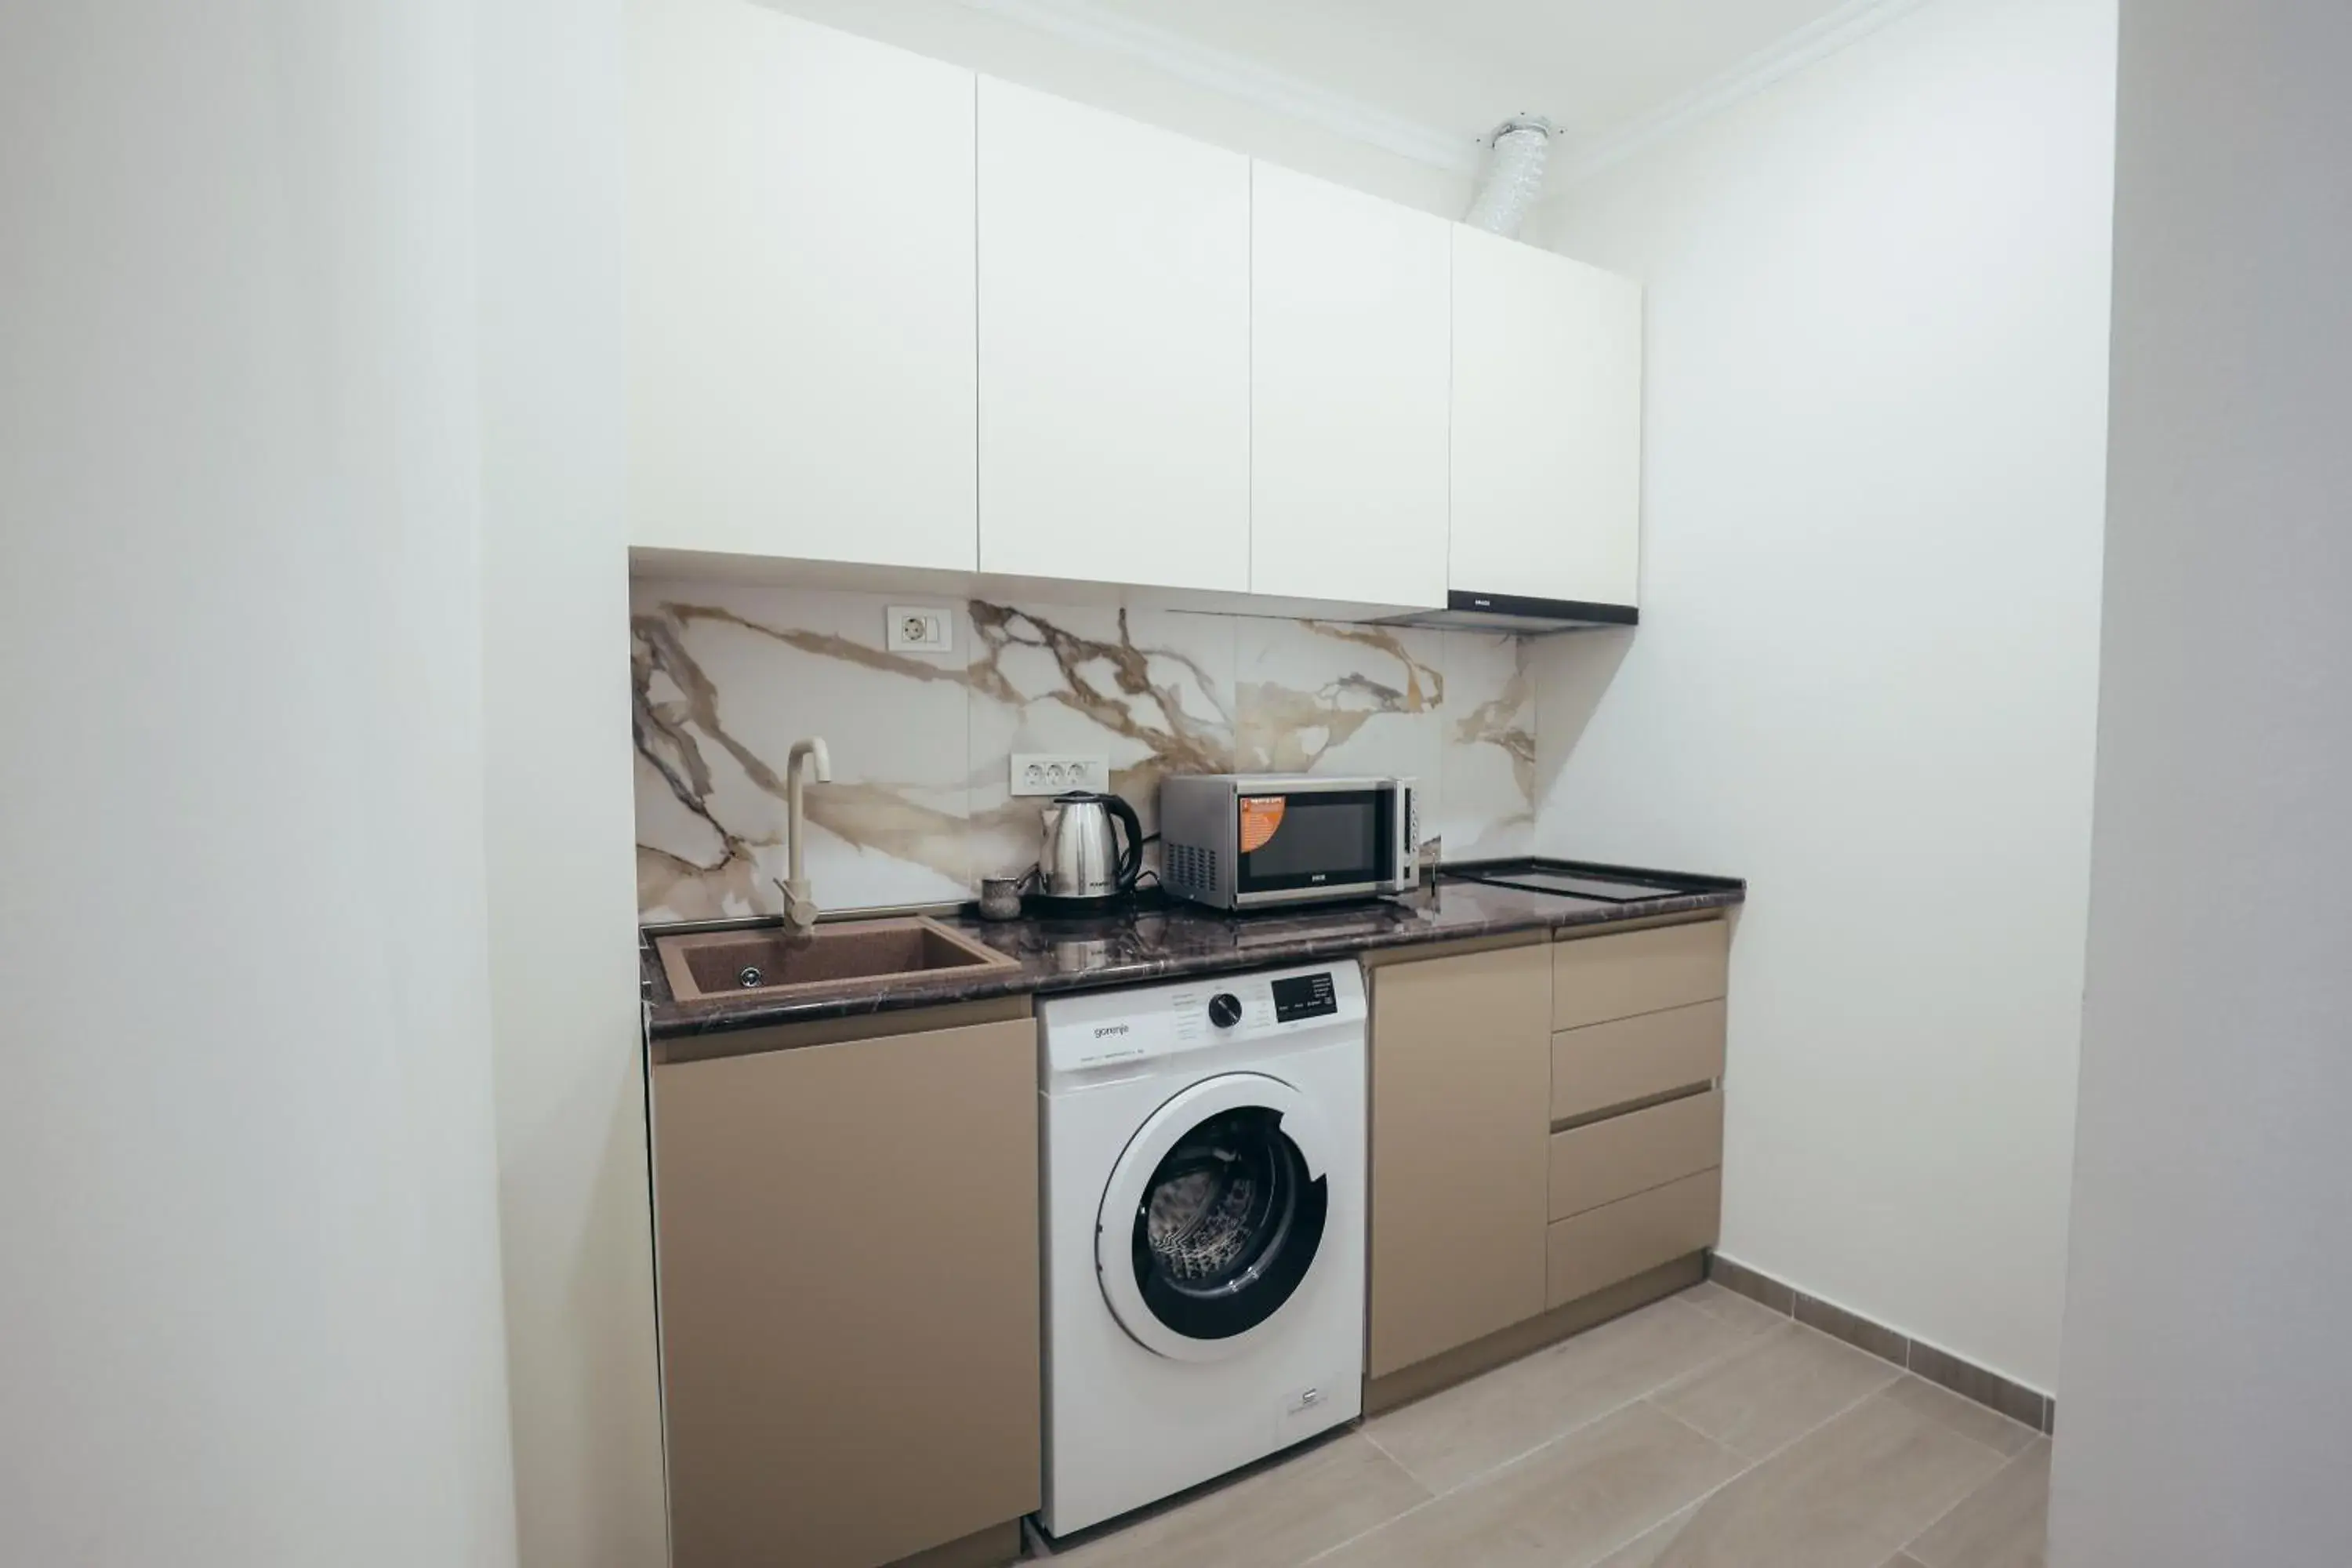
1514 613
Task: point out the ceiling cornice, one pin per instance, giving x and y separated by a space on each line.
1235 76
1240 77
1848 24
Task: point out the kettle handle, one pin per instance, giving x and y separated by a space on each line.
1131 859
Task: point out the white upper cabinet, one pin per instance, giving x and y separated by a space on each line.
886 313
1348 409
1114 347
1546 424
802 288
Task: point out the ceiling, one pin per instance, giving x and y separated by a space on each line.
1460 66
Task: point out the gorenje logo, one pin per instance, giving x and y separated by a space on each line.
1110 1029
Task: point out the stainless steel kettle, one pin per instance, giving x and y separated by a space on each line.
1081 863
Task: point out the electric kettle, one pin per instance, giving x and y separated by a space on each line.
1080 865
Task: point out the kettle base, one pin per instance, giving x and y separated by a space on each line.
1066 906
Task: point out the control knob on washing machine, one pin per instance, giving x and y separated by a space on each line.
1225 1009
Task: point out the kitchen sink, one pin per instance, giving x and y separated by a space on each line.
705 966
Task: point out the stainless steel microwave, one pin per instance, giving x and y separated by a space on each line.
1245 841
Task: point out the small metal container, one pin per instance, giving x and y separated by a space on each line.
1000 898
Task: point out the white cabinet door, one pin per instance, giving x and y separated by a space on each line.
802 286
1114 348
1546 424
1350 330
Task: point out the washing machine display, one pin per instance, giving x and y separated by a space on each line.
1304 997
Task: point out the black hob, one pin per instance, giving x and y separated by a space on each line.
1579 879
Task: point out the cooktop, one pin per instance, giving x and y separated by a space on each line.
1575 880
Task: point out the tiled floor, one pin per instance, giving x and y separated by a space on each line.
1701 1430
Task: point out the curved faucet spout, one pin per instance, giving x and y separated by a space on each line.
815 750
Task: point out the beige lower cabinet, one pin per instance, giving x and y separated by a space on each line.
1636 1165
1460 1081
1547 1142
847 1246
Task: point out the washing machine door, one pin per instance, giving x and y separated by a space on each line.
1214 1216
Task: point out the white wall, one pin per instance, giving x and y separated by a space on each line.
982 40
1865 675
2209 1393
555 680
248 1268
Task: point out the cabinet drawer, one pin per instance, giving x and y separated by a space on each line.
1598 1248
1616 1159
1597 979
1603 1065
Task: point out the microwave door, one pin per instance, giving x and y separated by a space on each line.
1317 844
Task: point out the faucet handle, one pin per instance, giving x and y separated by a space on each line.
801 910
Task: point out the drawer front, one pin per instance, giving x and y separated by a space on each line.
1629 1154
1598 1248
1605 1065
1596 979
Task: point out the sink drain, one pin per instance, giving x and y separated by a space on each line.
748 976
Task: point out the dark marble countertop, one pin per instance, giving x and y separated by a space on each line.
1162 940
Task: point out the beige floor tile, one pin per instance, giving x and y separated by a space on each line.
2004 1523
1965 1416
1450 1438
1903 1560
1275 1518
1732 1307
1846 1496
1776 1389
1651 1547
1566 1505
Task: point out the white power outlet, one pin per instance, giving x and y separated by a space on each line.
918 628
1051 772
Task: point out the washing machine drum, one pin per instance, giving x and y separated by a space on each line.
1214 1216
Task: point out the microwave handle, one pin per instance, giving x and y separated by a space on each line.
1408 827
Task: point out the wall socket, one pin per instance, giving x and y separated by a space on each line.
1051 772
918 628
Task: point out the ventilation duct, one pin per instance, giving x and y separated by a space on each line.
1515 176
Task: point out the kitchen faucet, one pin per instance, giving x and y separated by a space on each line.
800 906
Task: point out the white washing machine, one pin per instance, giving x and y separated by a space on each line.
1204 1201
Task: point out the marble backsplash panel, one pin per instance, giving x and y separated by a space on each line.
728 676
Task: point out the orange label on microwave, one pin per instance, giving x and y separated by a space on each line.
1260 815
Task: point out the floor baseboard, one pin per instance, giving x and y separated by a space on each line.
2010 1397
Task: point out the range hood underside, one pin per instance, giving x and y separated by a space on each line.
1514 613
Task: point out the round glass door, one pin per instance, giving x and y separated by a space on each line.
1228 1226
1218 1230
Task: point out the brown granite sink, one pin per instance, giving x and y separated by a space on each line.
703 965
